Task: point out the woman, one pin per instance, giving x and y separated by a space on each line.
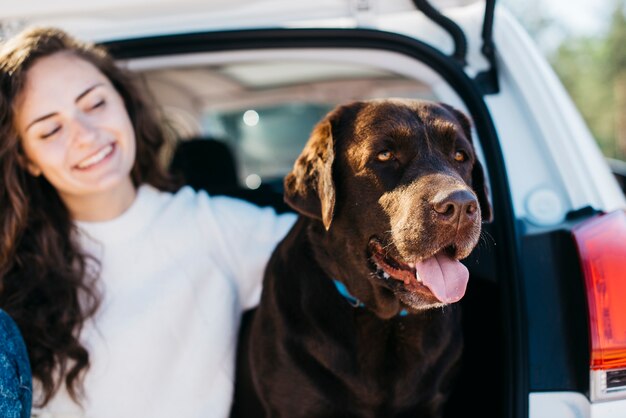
128 297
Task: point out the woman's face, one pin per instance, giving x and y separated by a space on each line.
75 130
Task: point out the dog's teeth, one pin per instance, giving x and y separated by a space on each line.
419 279
385 275
412 265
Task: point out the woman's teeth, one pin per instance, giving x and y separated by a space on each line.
96 158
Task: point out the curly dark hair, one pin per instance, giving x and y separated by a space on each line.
46 281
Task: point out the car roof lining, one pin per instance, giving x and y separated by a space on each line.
221 80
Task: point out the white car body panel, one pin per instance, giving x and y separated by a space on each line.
572 405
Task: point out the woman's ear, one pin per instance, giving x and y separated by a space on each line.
28 165
33 169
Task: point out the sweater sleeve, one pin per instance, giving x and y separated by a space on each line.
248 235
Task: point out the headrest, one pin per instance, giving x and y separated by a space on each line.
205 163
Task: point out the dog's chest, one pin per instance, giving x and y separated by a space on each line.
396 353
372 368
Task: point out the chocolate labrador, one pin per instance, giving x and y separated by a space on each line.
357 315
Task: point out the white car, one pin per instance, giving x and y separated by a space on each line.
242 82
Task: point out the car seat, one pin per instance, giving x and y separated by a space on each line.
209 164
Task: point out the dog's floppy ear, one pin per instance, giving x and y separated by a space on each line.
309 187
478 176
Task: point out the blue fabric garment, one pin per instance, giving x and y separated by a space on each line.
16 391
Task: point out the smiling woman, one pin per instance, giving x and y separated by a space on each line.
86 221
43 272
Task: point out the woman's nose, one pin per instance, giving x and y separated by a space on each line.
84 132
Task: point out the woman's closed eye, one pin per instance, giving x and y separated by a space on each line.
97 104
48 133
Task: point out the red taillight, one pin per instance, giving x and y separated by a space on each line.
601 245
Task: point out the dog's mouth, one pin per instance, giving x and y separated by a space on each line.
438 278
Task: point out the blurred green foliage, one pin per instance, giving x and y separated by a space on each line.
593 70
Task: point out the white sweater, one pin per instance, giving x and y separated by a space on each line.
176 273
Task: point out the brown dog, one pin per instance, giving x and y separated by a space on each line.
392 197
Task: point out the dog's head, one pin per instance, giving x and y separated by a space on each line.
399 195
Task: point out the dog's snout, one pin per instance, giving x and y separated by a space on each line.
460 205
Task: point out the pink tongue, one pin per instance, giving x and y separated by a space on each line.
445 277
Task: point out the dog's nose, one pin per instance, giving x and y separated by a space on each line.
460 205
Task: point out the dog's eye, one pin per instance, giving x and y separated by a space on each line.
384 156
460 156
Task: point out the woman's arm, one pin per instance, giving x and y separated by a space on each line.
248 235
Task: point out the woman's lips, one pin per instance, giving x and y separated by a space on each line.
96 158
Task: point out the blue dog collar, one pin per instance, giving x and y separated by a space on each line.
343 291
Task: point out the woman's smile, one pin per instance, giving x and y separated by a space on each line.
98 158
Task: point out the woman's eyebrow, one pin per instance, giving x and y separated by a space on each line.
78 98
87 91
39 119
